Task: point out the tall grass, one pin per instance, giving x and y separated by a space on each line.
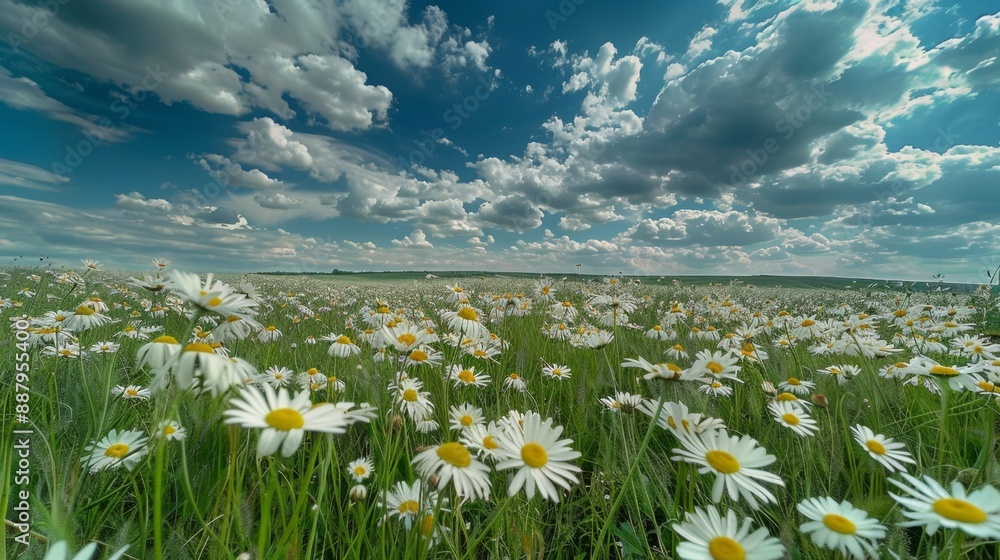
210 497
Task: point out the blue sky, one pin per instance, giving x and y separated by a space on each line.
856 138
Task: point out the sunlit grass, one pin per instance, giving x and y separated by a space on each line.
209 496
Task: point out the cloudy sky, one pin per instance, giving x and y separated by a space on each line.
854 138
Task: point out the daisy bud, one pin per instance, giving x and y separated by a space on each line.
397 422
819 399
966 476
433 481
358 493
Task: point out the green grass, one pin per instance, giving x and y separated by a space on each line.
214 499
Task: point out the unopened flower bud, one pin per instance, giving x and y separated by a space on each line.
819 399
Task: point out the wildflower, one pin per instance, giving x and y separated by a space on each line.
927 503
797 386
197 362
717 364
794 417
466 377
452 462
285 419
158 353
60 550
889 453
736 462
216 297
117 448
515 382
464 416
484 439
276 376
675 417
408 501
840 526
708 535
269 334
466 321
104 347
360 469
171 430
621 402
358 493
411 399
556 371
713 388
343 347
541 458
85 317
131 392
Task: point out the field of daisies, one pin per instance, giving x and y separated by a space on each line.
182 415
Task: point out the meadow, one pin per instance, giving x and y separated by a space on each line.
259 416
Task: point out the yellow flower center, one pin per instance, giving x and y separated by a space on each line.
63 318
679 348
427 525
468 314
285 419
117 451
794 381
808 323
214 302
959 510
714 367
409 506
875 447
725 548
722 461
466 420
342 339
312 371
199 347
131 392
534 455
271 328
360 470
168 429
490 443
839 524
467 376
944 371
545 289
410 395
455 454
85 310
514 376
790 419
418 356
406 339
